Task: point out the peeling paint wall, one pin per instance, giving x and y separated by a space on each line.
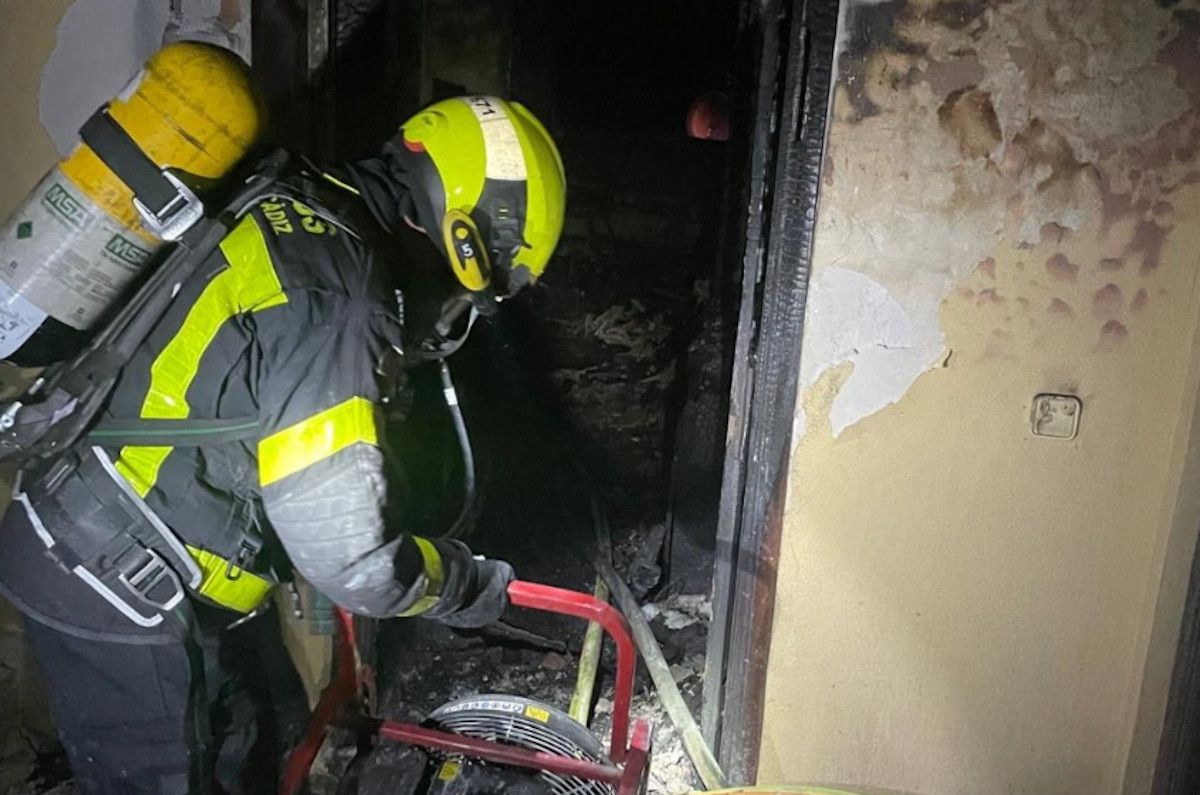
1011 206
101 44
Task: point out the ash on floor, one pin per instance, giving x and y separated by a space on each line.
680 624
426 665
33 766
38 787
31 761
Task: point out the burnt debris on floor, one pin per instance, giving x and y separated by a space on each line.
424 665
605 379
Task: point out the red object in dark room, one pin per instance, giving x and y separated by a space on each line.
629 752
708 117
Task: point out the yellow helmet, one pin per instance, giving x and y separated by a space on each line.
488 186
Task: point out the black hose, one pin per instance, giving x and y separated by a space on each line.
450 396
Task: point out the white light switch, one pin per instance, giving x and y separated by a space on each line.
1056 416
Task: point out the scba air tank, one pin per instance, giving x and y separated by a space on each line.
75 246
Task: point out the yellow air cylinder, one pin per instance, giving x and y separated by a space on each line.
74 246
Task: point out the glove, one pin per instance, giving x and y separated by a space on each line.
487 599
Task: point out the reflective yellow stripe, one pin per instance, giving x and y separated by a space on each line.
249 284
242 591
301 445
139 466
435 577
341 184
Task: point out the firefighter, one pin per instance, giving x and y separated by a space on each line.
286 327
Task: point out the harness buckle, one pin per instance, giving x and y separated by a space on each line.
151 579
9 418
247 551
179 215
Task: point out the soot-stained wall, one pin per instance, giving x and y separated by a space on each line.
1009 207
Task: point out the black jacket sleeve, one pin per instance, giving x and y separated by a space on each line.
321 469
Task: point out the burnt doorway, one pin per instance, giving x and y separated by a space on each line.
582 385
678 282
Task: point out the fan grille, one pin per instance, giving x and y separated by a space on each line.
531 725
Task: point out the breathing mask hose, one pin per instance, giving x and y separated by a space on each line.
450 396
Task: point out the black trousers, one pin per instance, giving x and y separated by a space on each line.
213 713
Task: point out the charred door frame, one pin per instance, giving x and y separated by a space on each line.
1177 769
293 53
786 151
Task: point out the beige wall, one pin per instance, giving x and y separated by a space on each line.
26 40
1011 206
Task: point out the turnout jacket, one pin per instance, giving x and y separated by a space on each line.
284 325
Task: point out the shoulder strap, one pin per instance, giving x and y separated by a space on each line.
334 201
61 406
167 206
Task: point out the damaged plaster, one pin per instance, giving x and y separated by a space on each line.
101 44
1010 207
961 129
852 318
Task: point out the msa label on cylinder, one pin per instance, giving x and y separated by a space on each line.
67 257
